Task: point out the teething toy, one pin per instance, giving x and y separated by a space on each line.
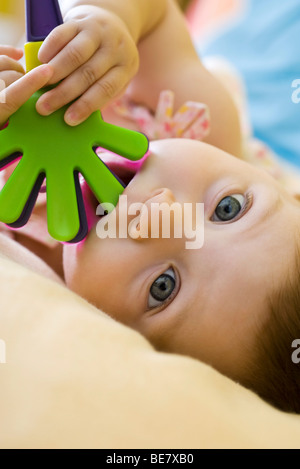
53 150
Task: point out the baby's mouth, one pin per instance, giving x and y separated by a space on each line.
122 168
125 170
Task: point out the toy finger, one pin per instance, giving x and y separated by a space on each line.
96 97
62 209
164 110
109 189
12 200
124 142
21 90
71 57
57 40
11 52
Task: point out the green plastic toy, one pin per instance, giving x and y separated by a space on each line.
53 150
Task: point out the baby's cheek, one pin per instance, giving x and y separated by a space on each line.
70 264
78 266
86 271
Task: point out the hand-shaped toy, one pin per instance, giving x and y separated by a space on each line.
54 150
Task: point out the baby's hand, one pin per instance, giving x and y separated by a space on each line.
94 56
10 69
17 93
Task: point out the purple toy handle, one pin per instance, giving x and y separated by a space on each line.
42 16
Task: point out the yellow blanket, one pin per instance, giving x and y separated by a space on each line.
74 378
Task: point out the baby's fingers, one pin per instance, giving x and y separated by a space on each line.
97 96
66 49
10 71
11 52
12 98
76 84
76 53
6 63
9 77
57 40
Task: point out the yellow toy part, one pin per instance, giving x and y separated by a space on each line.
31 55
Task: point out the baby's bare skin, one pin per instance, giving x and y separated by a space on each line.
217 301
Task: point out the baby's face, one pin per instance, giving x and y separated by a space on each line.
210 302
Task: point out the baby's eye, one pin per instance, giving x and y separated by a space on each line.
229 208
163 289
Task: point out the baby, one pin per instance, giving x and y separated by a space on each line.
233 303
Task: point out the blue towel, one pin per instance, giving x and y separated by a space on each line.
263 44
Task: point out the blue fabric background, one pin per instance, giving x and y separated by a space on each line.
264 45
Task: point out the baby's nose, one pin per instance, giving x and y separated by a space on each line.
158 217
160 196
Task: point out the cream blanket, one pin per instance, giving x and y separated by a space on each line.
74 378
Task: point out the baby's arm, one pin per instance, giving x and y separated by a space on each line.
140 16
94 53
168 60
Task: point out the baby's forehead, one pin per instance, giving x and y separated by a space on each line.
181 153
188 149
